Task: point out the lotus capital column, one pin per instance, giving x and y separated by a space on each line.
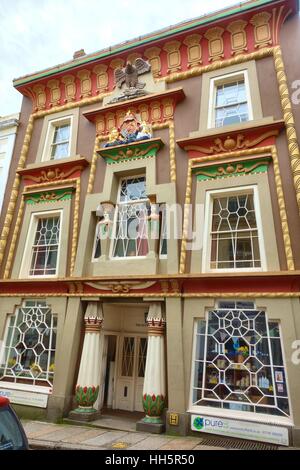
87 388
154 392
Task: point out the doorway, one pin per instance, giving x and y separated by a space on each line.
124 362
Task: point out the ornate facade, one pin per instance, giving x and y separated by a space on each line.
150 230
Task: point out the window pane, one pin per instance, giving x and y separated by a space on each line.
60 150
238 367
61 133
27 356
234 235
45 247
131 227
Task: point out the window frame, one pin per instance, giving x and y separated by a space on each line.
207 244
115 219
223 80
27 257
45 389
52 125
231 413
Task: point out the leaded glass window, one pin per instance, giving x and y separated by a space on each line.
231 105
164 231
128 356
234 233
28 356
238 362
143 343
45 247
60 142
131 219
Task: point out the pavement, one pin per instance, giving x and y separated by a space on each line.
42 435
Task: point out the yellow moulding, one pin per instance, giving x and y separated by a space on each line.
217 295
285 104
282 210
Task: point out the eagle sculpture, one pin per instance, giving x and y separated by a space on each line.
130 74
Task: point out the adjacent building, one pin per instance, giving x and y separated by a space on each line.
8 129
150 231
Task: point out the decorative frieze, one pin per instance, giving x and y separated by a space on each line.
49 196
117 64
232 169
85 83
172 49
55 93
238 36
194 50
215 43
70 88
40 97
262 30
153 55
101 78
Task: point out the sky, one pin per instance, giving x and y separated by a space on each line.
37 34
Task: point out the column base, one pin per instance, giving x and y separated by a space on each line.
152 425
85 416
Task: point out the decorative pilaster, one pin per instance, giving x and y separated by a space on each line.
87 388
154 391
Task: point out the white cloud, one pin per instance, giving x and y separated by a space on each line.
40 34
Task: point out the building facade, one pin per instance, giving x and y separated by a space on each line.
8 129
150 231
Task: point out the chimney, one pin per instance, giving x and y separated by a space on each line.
78 54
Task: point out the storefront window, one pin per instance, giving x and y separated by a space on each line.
238 362
29 351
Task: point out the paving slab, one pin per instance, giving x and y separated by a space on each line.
181 444
40 429
84 436
106 438
62 433
116 424
50 445
151 443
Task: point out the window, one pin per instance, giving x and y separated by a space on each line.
29 345
234 240
238 361
58 140
230 100
131 219
45 247
97 241
163 250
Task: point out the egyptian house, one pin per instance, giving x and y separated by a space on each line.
150 231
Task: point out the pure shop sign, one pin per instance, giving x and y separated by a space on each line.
22 397
241 429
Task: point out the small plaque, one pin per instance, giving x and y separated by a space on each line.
173 419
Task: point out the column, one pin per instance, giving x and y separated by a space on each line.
154 391
87 388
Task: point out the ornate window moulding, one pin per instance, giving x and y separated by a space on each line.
49 196
238 168
132 151
54 171
222 142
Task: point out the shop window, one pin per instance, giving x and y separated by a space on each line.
57 144
131 219
234 240
28 355
238 361
230 100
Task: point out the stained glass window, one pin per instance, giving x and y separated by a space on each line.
238 363
29 352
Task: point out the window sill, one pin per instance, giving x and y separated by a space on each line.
26 388
241 415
